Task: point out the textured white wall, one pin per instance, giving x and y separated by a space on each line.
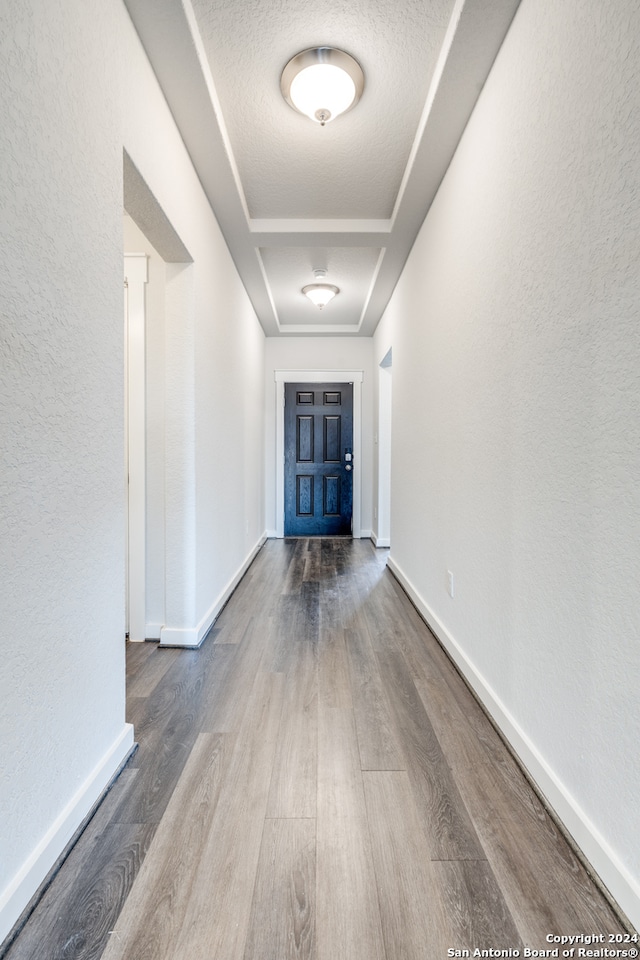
318 353
229 429
214 377
77 88
516 422
214 428
180 452
61 400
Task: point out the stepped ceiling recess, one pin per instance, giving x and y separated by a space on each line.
293 196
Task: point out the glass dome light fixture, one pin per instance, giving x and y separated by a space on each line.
320 293
322 83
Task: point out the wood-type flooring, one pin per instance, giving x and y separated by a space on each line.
317 782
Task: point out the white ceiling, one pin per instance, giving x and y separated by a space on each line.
292 196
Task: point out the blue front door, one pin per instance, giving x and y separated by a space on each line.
318 469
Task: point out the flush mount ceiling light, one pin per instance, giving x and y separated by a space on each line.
322 83
320 293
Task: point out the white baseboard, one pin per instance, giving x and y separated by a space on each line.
192 637
380 541
272 535
365 534
152 631
180 637
15 898
622 886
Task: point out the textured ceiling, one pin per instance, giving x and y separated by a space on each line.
291 196
353 166
290 268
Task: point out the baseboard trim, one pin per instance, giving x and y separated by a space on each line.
192 637
22 889
614 877
380 541
153 631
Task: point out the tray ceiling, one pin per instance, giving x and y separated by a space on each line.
292 196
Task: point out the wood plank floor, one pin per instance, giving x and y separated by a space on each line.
315 782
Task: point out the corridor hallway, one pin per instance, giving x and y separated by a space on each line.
315 781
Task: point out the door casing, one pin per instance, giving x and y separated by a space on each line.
135 277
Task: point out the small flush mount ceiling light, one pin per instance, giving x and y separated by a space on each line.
320 293
322 83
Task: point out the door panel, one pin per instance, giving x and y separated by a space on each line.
304 446
332 501
318 483
332 440
304 495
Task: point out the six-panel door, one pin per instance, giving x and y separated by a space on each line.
318 473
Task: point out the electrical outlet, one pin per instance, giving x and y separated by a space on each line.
450 583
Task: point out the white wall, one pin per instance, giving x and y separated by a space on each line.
319 353
76 90
61 396
214 369
516 420
229 435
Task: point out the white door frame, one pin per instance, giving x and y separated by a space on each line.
385 386
320 376
135 278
